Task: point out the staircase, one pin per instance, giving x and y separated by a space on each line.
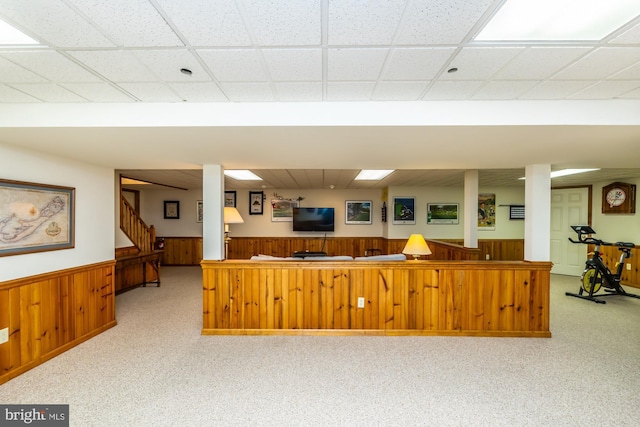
141 235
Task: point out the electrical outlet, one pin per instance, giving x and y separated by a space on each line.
629 267
487 257
360 302
4 335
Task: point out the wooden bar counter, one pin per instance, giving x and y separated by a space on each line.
466 298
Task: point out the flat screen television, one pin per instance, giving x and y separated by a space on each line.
313 219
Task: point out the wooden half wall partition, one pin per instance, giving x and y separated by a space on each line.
472 298
50 313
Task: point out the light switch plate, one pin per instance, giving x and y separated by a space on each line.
360 302
4 335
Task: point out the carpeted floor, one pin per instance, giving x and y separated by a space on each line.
155 369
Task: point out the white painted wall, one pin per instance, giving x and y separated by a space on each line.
94 221
152 212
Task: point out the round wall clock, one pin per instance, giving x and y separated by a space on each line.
619 197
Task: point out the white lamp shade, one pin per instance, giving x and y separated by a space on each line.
416 246
232 216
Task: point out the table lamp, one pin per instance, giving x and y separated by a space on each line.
231 216
416 246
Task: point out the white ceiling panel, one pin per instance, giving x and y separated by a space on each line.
478 63
53 23
294 64
601 63
151 92
166 65
116 65
355 64
540 62
355 22
235 65
555 89
606 90
258 92
52 65
284 22
440 22
98 92
208 23
504 89
350 91
198 92
48 92
11 95
444 90
129 23
299 91
630 73
416 63
631 36
399 91
12 73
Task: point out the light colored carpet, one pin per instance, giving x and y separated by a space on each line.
155 369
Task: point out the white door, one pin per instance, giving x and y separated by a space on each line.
569 206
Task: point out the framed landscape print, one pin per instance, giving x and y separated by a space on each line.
256 202
35 217
230 199
442 213
282 209
358 212
404 211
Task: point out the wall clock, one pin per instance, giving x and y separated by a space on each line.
619 197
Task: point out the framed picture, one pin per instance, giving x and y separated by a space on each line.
35 217
486 211
199 211
230 199
358 212
282 209
404 211
256 202
442 213
171 209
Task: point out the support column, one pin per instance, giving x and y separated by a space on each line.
537 213
471 209
213 212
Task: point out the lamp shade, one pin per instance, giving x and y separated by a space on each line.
232 216
416 246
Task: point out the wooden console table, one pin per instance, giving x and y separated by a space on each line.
137 270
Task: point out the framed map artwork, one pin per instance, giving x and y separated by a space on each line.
35 217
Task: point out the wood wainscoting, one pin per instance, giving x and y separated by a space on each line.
611 255
50 313
474 298
182 250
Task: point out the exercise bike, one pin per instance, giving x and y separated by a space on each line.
596 274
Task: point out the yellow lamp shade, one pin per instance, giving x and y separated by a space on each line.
416 246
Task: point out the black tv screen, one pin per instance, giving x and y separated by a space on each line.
313 219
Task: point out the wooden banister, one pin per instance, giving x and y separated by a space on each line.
140 234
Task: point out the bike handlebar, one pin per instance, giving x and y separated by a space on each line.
594 241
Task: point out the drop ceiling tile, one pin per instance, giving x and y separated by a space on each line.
98 92
115 65
248 92
601 63
449 90
398 91
49 92
129 23
416 63
12 73
555 89
234 65
357 22
349 91
477 63
44 17
299 91
208 23
631 36
9 94
440 22
536 63
166 65
606 90
151 92
294 64
633 72
355 64
634 94
199 92
284 22
51 65
503 90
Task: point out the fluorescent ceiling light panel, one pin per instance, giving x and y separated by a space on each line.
522 20
372 175
565 172
11 36
242 175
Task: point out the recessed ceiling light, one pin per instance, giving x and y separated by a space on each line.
372 175
242 175
12 36
525 20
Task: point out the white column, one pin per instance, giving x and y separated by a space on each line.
471 209
213 212
537 213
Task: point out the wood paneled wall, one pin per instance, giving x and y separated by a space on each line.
50 313
182 251
400 298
